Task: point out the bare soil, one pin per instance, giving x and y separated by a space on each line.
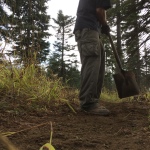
127 128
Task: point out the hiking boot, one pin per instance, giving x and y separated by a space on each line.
98 110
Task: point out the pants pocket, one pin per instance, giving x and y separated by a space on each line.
90 49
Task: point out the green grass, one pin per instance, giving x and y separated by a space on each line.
110 96
29 84
29 88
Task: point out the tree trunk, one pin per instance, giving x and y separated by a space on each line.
119 30
118 22
62 62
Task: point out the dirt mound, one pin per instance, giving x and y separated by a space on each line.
127 128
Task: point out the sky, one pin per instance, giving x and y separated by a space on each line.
68 7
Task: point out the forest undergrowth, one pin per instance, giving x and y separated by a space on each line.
27 90
29 86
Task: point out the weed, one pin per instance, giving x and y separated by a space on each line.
110 96
19 86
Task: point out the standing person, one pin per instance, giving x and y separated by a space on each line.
91 16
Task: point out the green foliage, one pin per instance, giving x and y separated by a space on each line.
109 96
109 82
73 77
63 61
131 20
29 84
3 22
49 146
29 30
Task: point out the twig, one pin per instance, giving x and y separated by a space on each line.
118 131
127 115
7 143
51 134
29 128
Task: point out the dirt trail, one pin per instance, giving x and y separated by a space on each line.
127 128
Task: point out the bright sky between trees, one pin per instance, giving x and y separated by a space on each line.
68 7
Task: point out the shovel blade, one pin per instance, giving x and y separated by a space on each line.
126 84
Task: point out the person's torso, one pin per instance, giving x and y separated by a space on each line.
86 15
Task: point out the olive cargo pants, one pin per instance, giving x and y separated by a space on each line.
93 66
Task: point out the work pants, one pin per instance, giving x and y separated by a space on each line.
93 66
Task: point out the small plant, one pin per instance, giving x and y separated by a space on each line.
110 96
48 146
28 85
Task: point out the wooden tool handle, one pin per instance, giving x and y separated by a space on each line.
115 52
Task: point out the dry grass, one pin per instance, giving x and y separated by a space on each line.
30 87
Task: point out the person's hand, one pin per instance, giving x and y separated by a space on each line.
105 29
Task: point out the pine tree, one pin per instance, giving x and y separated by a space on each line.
134 22
145 74
55 62
64 50
3 22
133 30
72 74
29 25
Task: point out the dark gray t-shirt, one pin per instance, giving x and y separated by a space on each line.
86 13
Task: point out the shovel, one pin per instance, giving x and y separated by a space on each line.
125 81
